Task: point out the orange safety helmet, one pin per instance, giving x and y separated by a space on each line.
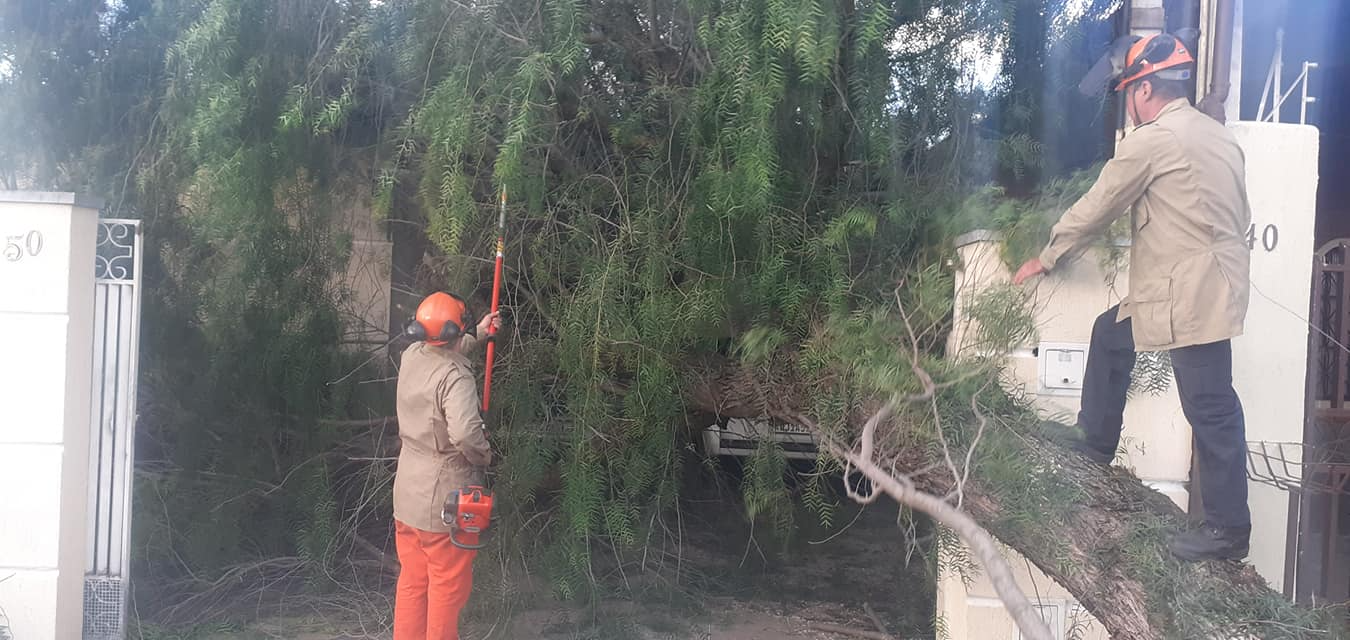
441 317
1161 55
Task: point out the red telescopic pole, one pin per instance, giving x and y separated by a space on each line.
496 302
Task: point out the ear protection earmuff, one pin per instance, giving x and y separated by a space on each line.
449 330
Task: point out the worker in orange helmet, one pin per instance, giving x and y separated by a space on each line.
1181 175
444 448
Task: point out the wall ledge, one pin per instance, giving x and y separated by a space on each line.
989 235
51 197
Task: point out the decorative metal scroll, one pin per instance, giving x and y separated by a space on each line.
117 248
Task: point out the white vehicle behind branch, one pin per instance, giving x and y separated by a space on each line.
739 437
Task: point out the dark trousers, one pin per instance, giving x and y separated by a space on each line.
1204 378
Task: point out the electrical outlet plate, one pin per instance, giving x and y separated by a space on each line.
1061 368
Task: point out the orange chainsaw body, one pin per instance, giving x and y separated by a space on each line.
468 511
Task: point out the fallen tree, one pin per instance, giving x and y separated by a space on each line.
959 449
1099 533
941 437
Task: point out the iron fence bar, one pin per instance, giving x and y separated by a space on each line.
131 415
1342 331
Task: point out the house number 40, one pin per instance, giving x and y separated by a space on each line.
1269 238
16 247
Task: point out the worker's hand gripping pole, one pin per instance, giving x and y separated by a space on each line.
496 301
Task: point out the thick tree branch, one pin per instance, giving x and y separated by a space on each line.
901 489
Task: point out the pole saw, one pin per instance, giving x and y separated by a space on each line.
468 511
496 302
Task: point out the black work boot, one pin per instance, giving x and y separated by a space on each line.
1091 453
1210 543
1072 438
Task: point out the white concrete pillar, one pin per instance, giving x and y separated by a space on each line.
46 328
1270 361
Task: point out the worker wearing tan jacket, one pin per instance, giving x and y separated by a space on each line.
1181 175
444 448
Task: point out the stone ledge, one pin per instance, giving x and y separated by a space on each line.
52 197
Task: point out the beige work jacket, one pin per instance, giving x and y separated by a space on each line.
1182 177
444 445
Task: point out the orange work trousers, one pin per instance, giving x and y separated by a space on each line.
433 584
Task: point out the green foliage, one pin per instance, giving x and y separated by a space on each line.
817 495
1021 154
767 501
45 59
668 201
1193 613
242 339
658 213
954 557
1000 320
1022 224
1152 374
760 343
1038 117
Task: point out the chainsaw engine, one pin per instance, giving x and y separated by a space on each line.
468 511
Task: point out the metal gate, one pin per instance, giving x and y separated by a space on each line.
117 315
1316 471
1324 574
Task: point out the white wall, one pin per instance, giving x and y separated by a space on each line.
46 329
1270 361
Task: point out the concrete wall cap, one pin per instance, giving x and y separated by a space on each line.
978 235
51 197
987 235
1288 127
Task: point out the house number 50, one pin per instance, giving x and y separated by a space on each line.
16 247
1270 237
